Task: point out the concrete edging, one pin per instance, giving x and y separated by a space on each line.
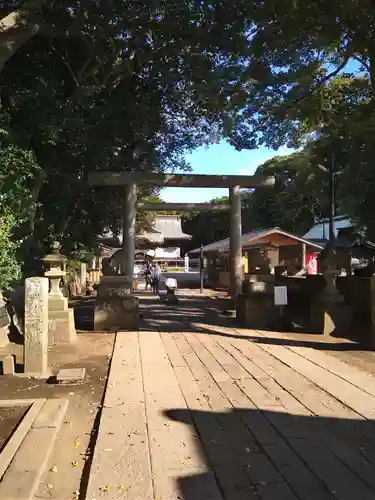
12 446
25 456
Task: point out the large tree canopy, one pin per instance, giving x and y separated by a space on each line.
114 85
298 48
134 85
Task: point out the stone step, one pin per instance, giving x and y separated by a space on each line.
7 365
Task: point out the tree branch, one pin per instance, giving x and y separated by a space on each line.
65 61
321 82
18 27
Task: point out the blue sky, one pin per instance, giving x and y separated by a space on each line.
219 159
224 159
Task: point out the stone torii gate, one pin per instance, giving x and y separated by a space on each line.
130 180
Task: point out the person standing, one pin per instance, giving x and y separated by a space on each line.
147 275
156 274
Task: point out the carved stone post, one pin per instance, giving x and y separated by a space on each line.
36 328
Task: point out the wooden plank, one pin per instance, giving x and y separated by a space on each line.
6 456
121 460
179 180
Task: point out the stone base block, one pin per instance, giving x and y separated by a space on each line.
57 303
327 319
114 314
7 363
116 309
255 311
61 327
71 376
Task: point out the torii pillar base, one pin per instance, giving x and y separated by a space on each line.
116 309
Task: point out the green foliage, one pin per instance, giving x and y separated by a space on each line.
114 86
307 58
298 199
10 269
133 86
206 227
18 167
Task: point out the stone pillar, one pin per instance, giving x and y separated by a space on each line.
235 235
128 243
36 328
83 276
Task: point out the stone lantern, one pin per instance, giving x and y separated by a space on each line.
57 265
61 327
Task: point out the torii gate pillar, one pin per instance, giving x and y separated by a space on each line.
128 242
235 244
116 307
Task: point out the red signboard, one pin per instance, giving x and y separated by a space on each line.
311 263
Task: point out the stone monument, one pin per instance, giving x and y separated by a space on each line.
329 313
116 308
4 322
36 328
61 327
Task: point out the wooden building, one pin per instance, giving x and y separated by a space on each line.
166 242
262 251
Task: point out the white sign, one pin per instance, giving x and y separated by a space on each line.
280 296
171 283
186 263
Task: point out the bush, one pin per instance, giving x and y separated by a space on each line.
10 268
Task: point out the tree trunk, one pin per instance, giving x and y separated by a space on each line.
35 190
18 27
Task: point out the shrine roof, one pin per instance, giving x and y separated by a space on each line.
255 239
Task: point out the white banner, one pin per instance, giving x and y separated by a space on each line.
169 253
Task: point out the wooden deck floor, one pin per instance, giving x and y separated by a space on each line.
215 413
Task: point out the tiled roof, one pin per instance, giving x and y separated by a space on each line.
321 229
249 239
151 237
170 227
166 227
